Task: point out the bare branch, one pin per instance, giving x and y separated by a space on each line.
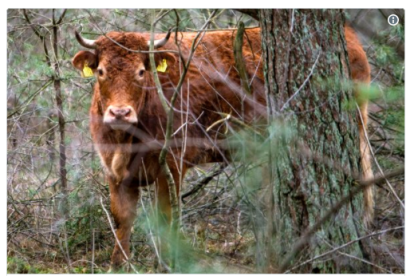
204 181
376 161
303 84
344 245
306 236
238 58
116 238
170 112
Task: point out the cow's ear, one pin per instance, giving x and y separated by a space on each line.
169 58
85 58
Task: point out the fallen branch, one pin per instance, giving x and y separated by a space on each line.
204 181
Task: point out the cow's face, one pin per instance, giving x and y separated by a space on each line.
123 75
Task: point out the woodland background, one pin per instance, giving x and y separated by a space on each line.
218 204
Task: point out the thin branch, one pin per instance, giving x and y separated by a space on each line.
376 161
157 253
116 237
22 108
32 25
70 269
204 181
170 111
187 122
303 84
306 237
343 246
365 261
40 36
229 117
61 17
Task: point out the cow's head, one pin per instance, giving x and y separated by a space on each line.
122 72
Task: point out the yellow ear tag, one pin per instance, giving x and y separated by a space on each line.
162 67
87 71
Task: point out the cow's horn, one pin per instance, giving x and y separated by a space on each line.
161 42
88 43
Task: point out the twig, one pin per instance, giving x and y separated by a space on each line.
146 216
61 17
303 84
157 253
170 113
93 249
32 25
188 122
376 161
365 261
63 245
229 117
343 246
116 238
204 181
174 202
41 36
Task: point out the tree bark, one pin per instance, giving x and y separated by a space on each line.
313 133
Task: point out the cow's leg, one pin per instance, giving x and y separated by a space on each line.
163 194
366 163
165 211
124 197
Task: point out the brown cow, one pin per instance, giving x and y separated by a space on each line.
128 122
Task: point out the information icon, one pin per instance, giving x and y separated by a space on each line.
393 20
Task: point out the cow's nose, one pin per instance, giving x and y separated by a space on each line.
120 113
120 117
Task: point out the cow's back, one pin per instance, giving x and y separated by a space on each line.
212 78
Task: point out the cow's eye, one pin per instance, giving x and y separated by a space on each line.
100 72
141 73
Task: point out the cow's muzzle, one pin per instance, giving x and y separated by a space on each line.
120 118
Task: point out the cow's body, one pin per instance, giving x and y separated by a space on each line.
128 120
214 87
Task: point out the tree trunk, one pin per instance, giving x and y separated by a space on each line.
59 105
314 147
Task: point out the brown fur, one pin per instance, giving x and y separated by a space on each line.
361 75
212 85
